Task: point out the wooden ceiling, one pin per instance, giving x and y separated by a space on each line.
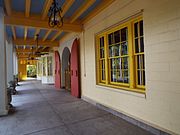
26 18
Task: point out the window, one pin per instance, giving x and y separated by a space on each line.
120 56
49 63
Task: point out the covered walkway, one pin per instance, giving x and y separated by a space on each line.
43 110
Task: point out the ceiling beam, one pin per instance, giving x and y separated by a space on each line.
66 6
21 41
82 9
56 35
10 20
13 32
25 50
7 4
28 6
25 33
47 34
46 7
97 10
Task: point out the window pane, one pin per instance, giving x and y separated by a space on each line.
143 66
136 46
113 76
144 78
103 75
110 39
124 48
125 63
117 36
142 44
136 30
141 28
124 34
139 77
126 76
102 42
102 53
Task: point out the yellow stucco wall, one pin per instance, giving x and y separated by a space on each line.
159 107
22 65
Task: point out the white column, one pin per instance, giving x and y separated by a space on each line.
9 60
3 91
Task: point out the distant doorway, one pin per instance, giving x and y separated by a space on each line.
57 70
66 73
31 71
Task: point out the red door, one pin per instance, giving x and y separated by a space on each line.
57 71
75 74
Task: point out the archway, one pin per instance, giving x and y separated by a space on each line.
66 74
57 70
75 70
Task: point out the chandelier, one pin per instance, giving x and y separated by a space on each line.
55 18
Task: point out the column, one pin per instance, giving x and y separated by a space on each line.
3 91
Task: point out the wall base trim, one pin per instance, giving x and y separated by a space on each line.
142 124
3 112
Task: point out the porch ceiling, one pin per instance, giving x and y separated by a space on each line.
26 18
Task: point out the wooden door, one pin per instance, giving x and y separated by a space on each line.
57 71
75 74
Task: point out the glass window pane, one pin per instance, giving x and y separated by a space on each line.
102 42
139 77
110 39
113 76
116 50
124 48
102 53
141 28
143 66
142 44
126 76
125 63
103 74
144 79
112 62
136 46
124 34
136 30
117 36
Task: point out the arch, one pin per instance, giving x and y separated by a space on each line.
65 77
75 71
57 70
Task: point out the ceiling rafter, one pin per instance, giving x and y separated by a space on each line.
25 50
97 10
81 10
7 4
56 35
43 14
10 20
13 32
28 6
47 34
66 6
25 33
46 7
31 42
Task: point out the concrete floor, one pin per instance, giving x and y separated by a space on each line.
42 110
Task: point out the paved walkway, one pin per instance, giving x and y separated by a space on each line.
42 110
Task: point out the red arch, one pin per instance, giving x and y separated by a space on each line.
57 70
75 72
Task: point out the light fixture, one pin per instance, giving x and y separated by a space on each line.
55 18
37 39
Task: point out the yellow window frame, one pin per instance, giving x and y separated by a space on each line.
132 64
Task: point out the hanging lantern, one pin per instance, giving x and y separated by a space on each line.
55 18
